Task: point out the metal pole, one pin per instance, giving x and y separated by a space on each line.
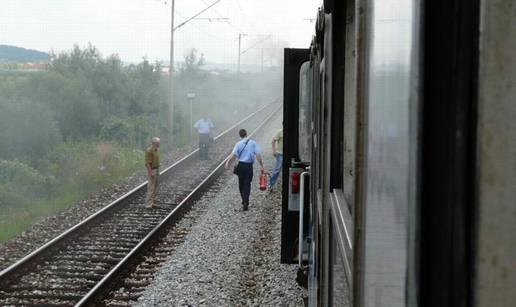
171 107
171 74
262 59
239 46
191 120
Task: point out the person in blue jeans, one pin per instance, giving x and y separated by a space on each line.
246 151
277 151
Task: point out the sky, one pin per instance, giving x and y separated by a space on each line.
134 29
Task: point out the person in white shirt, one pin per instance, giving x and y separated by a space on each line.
204 126
246 151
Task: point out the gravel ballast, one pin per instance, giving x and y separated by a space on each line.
231 257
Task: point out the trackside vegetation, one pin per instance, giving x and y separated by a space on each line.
83 123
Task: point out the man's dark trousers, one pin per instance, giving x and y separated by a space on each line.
204 142
245 176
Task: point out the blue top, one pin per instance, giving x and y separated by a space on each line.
250 151
203 125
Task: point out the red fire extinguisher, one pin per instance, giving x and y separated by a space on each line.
263 181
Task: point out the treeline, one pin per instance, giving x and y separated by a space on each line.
82 123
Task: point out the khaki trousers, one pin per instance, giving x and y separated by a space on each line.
152 186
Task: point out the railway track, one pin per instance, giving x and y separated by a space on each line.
132 283
79 266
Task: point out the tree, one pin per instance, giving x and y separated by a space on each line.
27 130
191 68
76 62
146 94
73 101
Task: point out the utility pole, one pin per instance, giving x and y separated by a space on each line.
171 75
239 47
262 59
191 97
170 116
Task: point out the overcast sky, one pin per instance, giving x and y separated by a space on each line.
141 28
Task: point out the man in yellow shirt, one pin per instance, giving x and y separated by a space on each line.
277 151
152 165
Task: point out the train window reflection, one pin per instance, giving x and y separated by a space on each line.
305 115
350 107
320 123
391 140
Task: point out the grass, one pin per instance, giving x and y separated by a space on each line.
15 220
82 177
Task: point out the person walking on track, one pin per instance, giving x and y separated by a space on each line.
152 165
277 152
246 151
204 126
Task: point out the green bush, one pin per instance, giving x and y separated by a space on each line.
117 129
8 198
24 180
26 130
89 166
134 131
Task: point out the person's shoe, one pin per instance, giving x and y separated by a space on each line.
246 205
271 189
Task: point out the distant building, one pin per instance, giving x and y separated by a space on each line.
165 70
35 66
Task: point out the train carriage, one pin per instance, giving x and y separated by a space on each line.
385 137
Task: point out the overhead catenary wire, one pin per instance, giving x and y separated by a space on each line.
201 33
185 19
205 32
239 30
229 22
245 17
258 42
208 32
199 13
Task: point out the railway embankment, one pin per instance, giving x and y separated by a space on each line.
230 257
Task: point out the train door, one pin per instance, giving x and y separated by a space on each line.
292 165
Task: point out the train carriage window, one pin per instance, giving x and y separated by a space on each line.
391 115
350 106
321 122
305 115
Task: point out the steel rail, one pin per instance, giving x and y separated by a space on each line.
25 261
103 285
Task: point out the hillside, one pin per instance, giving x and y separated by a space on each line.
12 53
